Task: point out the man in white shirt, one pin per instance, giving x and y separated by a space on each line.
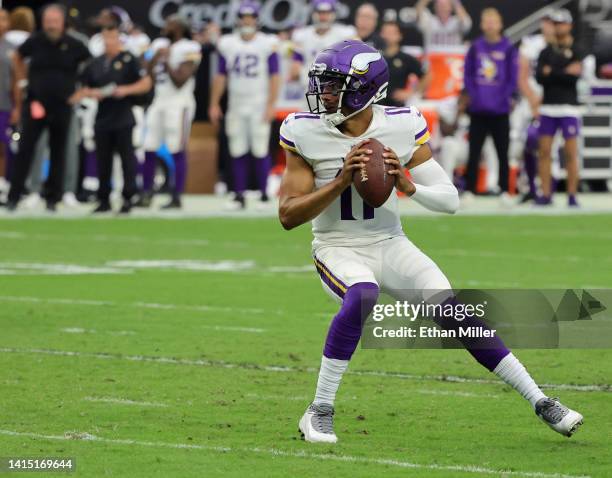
446 28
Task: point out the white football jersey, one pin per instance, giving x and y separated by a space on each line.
349 220
309 43
180 52
249 66
531 47
137 44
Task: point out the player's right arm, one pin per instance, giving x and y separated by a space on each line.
299 202
218 88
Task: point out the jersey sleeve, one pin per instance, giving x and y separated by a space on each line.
222 53
287 137
273 56
421 130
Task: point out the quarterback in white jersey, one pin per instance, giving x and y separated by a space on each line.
249 71
323 33
360 251
168 119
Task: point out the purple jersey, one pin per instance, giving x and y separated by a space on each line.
491 75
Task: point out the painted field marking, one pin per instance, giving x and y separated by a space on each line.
87 437
285 369
123 401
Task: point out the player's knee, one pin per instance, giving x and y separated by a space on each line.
360 299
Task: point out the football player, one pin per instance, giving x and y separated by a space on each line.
360 251
249 69
168 122
323 32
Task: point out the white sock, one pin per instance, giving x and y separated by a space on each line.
330 376
511 371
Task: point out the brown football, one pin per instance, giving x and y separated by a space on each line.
372 182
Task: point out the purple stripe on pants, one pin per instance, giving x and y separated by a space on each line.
336 285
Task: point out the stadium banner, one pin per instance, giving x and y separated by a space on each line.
476 318
282 14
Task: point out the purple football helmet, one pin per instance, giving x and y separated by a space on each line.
249 7
355 72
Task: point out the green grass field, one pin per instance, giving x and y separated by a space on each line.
121 346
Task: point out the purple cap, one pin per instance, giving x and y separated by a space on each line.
324 5
249 7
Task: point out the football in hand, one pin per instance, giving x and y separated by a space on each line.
372 182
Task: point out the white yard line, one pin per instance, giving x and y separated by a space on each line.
123 401
476 469
31 268
103 238
451 393
81 330
285 369
144 305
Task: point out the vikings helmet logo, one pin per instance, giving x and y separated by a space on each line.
361 62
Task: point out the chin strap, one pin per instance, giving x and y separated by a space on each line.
337 118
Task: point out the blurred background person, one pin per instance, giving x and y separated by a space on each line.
491 75
54 60
113 79
249 70
558 70
323 32
7 87
525 118
444 28
23 24
168 120
406 76
366 24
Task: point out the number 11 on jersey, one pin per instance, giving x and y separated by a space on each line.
346 205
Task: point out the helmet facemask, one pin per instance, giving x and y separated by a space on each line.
348 88
328 83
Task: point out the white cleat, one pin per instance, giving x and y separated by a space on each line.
317 424
33 201
70 200
506 201
557 416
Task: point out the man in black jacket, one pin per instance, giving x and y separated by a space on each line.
53 70
559 68
115 79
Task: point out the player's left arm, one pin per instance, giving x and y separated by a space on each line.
430 186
